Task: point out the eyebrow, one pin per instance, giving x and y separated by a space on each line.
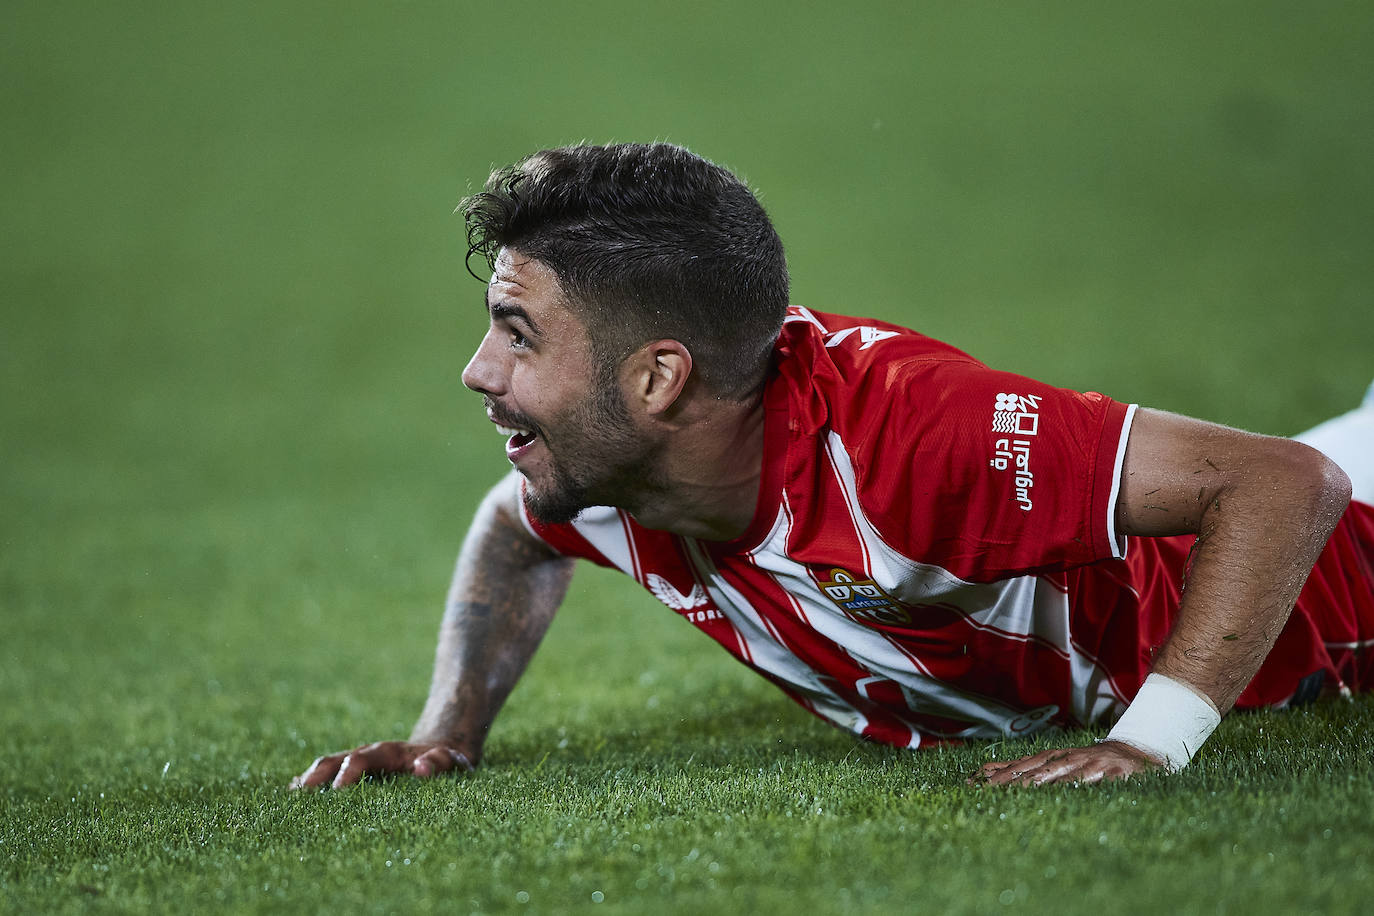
510 310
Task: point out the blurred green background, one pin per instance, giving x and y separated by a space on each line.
236 460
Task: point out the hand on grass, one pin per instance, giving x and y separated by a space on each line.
380 759
1105 760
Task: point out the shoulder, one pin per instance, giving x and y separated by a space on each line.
856 341
841 370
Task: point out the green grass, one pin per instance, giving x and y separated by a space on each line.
736 805
236 460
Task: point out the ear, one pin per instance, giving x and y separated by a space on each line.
657 375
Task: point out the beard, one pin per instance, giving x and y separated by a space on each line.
597 457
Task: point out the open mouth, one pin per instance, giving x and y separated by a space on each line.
519 437
518 442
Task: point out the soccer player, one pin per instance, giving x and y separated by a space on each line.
911 545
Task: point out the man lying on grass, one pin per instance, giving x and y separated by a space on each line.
911 545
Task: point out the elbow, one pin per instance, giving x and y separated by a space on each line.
1336 483
1323 478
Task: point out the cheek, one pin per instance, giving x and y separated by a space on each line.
528 385
544 395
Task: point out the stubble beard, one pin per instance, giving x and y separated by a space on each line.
603 459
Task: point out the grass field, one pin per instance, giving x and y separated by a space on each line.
236 460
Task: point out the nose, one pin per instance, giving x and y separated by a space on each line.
485 372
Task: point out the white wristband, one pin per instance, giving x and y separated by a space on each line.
1168 720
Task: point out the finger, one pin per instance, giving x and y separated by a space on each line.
1012 775
994 766
997 766
1068 767
1094 775
320 772
1120 765
438 760
1051 772
989 771
1082 769
354 768
1020 772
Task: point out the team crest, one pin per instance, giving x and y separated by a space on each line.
864 599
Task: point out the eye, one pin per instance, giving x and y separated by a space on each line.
519 341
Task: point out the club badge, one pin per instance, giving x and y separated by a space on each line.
864 599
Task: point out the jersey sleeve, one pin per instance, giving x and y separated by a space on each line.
988 474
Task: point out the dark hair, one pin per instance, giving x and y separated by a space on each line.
648 241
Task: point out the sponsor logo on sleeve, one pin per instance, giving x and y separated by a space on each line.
693 605
1017 417
665 591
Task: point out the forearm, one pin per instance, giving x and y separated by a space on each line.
506 588
1258 540
1263 510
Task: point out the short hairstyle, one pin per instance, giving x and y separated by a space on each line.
647 241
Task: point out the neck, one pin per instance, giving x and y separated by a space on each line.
709 473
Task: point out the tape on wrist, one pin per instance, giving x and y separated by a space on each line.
1168 720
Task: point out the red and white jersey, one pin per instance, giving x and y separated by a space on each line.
932 557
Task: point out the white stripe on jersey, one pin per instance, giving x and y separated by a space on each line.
875 651
766 648
1118 544
1096 698
638 571
1019 608
604 530
784 523
804 314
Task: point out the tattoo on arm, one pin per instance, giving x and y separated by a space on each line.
505 590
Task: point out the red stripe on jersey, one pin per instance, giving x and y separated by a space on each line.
850 509
779 613
1339 601
787 515
943 488
834 667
